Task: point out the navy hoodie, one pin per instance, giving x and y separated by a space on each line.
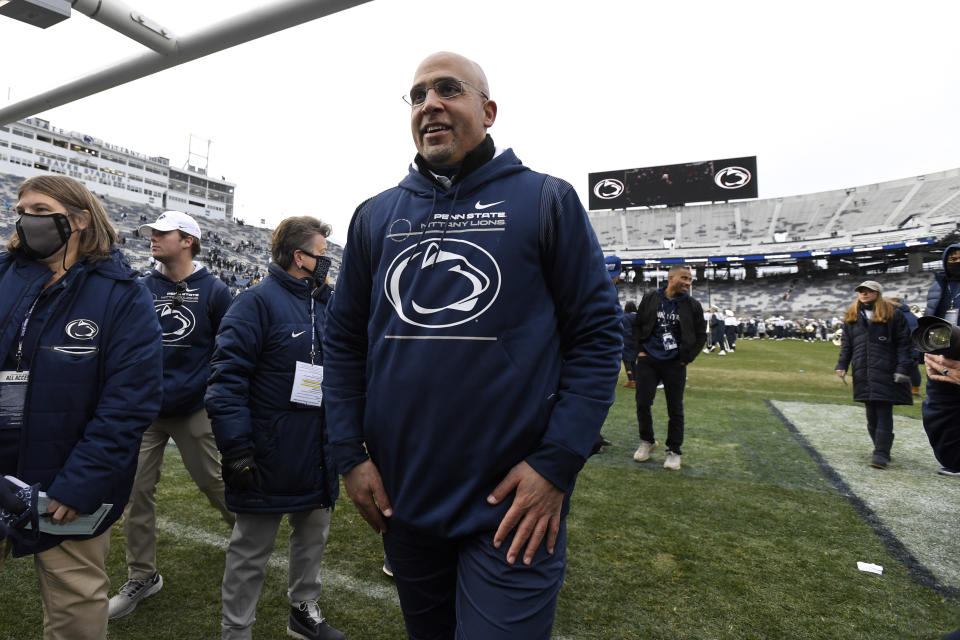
472 328
189 330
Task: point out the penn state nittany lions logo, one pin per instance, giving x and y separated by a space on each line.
176 322
608 189
82 329
732 177
437 284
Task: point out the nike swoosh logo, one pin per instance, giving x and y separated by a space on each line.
296 334
487 206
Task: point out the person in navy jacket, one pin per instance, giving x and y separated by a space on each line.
266 408
876 343
941 406
189 302
472 352
81 367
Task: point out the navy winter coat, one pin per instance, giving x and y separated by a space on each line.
265 333
877 350
942 292
95 381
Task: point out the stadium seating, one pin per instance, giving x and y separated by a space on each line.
921 206
244 250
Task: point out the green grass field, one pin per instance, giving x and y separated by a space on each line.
751 539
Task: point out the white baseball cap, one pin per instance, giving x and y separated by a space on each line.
170 220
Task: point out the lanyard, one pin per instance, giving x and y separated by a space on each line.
313 332
23 332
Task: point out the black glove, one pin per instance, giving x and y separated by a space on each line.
240 473
18 507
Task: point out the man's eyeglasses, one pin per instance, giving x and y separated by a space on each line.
445 89
178 296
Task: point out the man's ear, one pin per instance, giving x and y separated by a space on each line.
489 113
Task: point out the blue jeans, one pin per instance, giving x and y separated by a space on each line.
464 589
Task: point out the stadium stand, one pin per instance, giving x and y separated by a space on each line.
914 207
859 220
237 252
792 295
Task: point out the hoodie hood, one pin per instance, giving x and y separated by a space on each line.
946 252
503 163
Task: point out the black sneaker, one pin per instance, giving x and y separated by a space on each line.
879 461
307 623
130 595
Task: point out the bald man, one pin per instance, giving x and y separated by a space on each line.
471 355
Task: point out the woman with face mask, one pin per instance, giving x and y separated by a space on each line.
875 342
80 358
265 406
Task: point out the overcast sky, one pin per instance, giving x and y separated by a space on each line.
310 121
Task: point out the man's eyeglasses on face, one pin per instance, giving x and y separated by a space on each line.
178 296
445 89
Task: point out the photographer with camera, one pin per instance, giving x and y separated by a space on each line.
942 404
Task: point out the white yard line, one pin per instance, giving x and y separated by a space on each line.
914 504
279 561
332 579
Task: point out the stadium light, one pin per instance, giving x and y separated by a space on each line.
39 13
111 13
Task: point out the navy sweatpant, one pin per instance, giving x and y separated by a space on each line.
463 588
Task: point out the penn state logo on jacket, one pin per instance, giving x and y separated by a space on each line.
176 321
442 283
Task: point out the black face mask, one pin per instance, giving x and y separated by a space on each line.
42 236
319 273
953 270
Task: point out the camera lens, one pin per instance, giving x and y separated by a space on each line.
938 337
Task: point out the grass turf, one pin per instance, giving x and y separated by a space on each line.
749 540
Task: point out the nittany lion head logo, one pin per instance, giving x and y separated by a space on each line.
608 189
176 322
82 329
732 177
437 284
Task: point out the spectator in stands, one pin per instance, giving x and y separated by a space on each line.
81 361
942 404
269 423
669 331
189 303
629 347
876 343
469 444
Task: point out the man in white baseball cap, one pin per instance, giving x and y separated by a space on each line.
170 220
190 302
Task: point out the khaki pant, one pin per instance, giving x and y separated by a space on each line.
74 586
194 438
246 565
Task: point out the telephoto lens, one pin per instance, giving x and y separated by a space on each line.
936 335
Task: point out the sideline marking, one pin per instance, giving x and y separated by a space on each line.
909 506
279 560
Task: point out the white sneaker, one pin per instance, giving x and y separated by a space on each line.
722 352
130 595
673 461
642 453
